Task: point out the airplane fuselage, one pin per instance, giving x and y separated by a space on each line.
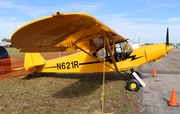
82 62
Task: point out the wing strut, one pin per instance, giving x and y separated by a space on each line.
109 50
93 56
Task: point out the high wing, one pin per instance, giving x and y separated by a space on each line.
63 32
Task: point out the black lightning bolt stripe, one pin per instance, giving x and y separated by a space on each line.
133 57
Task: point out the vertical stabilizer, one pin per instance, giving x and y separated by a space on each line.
31 60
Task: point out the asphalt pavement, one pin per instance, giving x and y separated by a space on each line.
157 93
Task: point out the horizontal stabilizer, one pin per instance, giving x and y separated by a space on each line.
21 68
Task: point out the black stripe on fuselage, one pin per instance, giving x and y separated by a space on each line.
93 62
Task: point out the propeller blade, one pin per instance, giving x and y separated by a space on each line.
167 37
168 47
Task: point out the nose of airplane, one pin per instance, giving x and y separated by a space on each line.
157 51
169 48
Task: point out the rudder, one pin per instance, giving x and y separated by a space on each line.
31 60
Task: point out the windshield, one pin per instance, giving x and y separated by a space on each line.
133 44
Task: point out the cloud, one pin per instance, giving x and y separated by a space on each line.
15 14
174 20
160 3
7 4
39 11
8 27
86 7
149 30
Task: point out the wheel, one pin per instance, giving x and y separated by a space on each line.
29 75
139 74
133 85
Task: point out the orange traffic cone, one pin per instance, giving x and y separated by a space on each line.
154 73
173 101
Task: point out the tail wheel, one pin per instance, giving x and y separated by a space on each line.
133 85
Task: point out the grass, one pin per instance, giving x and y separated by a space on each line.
14 53
51 93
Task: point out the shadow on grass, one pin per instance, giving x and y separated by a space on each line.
109 75
87 83
84 86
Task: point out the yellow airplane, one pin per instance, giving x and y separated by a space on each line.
94 44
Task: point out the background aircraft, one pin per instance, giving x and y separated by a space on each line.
95 45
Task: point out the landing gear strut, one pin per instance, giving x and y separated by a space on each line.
139 74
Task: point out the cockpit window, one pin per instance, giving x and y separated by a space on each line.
122 47
120 50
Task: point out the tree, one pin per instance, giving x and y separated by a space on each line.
6 40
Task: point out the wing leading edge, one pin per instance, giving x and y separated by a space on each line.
58 33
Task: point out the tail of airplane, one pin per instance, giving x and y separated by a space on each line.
31 60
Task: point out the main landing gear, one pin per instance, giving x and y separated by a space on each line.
135 82
133 85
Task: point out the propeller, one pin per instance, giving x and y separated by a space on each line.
167 37
168 47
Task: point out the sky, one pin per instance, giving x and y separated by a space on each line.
146 20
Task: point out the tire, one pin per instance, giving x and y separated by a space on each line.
133 85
